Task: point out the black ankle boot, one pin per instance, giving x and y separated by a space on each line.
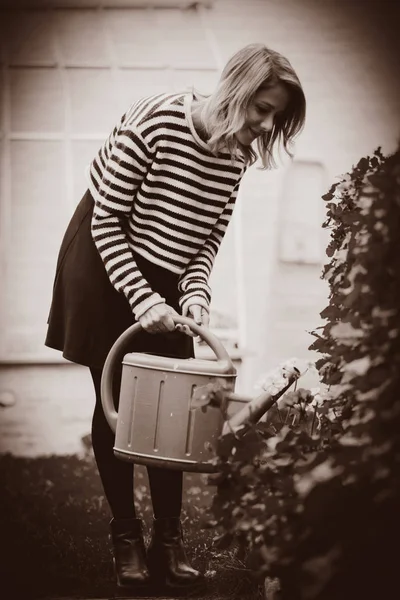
129 552
166 556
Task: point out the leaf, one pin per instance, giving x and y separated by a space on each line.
328 196
211 394
374 162
201 397
321 473
358 367
330 250
363 164
351 218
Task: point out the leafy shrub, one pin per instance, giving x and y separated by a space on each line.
313 500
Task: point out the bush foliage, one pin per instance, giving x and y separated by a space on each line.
315 498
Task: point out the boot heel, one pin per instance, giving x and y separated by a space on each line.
166 556
129 560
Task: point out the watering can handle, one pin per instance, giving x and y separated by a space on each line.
118 349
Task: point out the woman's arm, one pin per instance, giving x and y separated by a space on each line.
194 281
125 169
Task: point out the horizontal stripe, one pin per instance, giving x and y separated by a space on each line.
176 265
166 249
185 196
187 220
194 169
187 209
161 225
207 163
165 236
221 162
189 182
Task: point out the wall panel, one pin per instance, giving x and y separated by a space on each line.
37 100
95 101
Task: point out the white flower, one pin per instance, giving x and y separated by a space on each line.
320 396
276 380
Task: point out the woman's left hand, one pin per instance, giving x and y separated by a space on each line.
199 315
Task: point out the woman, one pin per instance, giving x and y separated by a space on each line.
141 247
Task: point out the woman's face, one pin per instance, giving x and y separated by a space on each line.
261 113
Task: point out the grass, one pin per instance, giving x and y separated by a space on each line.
54 529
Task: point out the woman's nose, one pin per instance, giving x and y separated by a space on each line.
267 123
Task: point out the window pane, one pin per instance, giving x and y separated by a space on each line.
28 37
183 40
203 81
39 207
83 153
37 102
136 37
95 100
138 83
81 37
27 295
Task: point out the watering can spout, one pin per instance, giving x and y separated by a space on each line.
255 408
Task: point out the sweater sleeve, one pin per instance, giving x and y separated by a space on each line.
126 167
194 281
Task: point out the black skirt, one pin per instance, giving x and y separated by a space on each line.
88 314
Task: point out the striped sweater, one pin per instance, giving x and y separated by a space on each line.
160 192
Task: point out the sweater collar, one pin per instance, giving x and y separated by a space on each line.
188 99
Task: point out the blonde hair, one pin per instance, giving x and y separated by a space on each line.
253 68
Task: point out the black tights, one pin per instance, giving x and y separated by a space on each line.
117 475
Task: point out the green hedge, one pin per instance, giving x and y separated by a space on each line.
317 500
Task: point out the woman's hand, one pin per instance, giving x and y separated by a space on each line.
199 314
158 319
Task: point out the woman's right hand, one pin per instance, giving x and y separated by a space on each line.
158 319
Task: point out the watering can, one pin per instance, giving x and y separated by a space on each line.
156 424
